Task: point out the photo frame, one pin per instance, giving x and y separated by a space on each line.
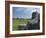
20 18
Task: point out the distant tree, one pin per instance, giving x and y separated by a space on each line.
17 18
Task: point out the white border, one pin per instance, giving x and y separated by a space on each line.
26 31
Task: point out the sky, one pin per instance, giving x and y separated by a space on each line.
24 12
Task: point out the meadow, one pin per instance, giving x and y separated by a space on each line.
17 22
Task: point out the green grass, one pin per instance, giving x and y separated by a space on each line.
16 23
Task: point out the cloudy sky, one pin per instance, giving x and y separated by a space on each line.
24 12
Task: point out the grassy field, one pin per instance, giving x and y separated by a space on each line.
16 23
